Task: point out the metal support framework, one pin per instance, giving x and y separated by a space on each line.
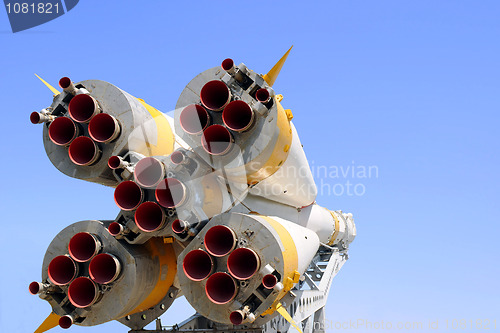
305 303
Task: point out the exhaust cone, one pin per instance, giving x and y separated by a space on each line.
62 131
197 265
82 108
194 119
220 240
83 151
62 270
149 217
243 263
220 288
238 116
269 281
149 172
65 322
216 140
128 195
104 128
170 193
83 246
215 95
104 268
82 292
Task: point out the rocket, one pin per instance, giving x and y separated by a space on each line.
216 202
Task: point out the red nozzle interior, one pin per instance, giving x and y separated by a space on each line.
83 151
170 193
215 95
238 116
243 263
83 246
114 162
177 157
216 140
220 240
35 117
220 288
34 288
227 64
62 269
103 128
149 217
128 195
65 322
115 228
82 292
149 172
62 131
104 268
269 281
236 317
262 95
82 108
194 119
178 226
64 82
197 265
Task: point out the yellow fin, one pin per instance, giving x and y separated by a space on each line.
282 311
271 76
54 90
51 321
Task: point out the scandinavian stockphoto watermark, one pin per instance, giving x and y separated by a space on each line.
343 180
26 14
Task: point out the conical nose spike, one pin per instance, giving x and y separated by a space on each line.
272 75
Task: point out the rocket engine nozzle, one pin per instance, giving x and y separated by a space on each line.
149 217
179 226
220 288
220 240
62 131
194 119
62 270
104 268
170 193
149 172
263 95
84 151
38 118
128 195
215 95
104 128
217 140
228 66
197 265
83 107
269 281
238 116
83 246
67 85
65 322
82 292
243 263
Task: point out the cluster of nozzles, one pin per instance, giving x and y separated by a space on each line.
220 282
237 115
169 193
84 113
81 272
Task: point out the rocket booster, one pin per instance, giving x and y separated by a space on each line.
210 206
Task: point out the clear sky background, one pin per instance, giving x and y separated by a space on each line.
409 87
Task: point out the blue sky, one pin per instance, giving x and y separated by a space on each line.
409 87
